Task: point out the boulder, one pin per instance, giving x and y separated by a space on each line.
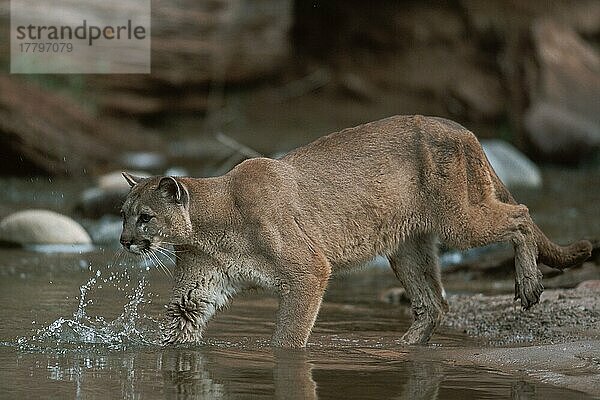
512 167
394 295
154 161
114 181
33 227
96 202
107 196
106 231
560 134
44 133
563 121
592 285
197 44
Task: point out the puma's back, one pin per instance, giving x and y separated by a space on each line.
364 190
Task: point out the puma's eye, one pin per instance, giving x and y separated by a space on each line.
144 218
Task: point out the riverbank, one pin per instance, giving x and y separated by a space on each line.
556 342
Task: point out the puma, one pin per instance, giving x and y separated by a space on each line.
392 187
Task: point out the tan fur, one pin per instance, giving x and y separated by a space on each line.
391 187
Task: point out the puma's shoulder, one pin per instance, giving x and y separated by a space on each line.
261 174
262 185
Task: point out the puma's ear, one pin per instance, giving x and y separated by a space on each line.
131 179
174 190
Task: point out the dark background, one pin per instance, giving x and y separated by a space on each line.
237 78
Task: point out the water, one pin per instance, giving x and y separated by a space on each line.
74 328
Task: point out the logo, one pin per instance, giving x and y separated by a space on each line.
65 36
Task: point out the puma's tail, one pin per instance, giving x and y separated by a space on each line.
549 253
560 257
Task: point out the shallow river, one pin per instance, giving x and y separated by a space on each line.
73 326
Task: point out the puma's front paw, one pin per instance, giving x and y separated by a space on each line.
183 323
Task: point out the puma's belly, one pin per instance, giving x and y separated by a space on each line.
355 220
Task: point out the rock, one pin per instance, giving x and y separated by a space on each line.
113 181
96 202
569 72
395 295
563 121
106 230
33 227
561 135
63 138
454 76
107 197
197 44
176 171
496 18
591 285
479 92
512 167
144 160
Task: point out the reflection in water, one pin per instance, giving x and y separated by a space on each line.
219 372
186 373
85 369
423 380
292 375
216 374
186 376
522 390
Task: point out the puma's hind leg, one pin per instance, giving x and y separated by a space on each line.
416 266
494 221
528 277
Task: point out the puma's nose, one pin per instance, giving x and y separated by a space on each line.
126 242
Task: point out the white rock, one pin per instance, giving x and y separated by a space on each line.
144 160
41 227
115 181
176 171
512 167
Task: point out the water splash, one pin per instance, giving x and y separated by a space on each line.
130 328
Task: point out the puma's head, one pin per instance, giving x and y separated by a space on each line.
155 213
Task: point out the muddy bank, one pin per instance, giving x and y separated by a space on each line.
556 342
562 315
